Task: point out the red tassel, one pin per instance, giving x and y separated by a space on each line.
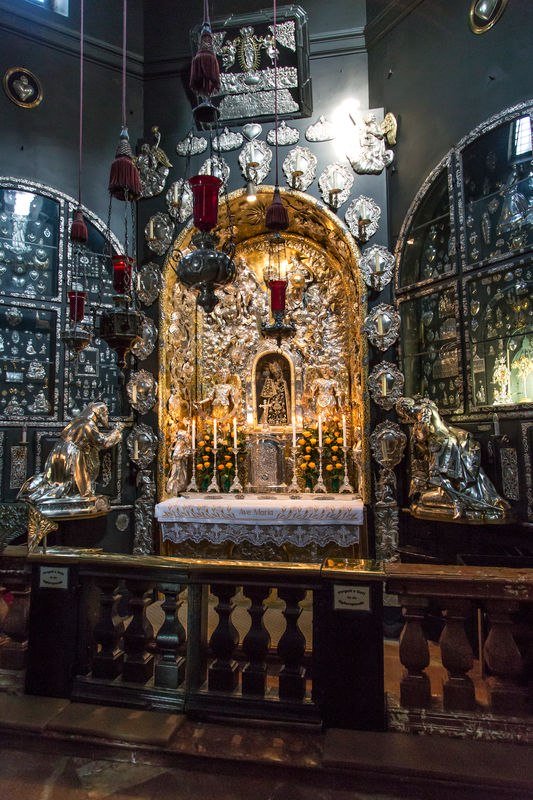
205 70
124 178
276 217
78 229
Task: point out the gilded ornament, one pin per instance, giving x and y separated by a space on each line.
153 166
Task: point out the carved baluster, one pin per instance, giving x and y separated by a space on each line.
170 666
138 662
107 663
223 674
415 688
256 643
291 647
503 658
14 647
457 658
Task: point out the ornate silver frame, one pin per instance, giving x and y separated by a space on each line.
377 280
371 326
388 433
307 177
351 216
257 173
142 405
342 196
183 210
159 243
387 399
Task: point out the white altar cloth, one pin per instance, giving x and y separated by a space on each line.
301 520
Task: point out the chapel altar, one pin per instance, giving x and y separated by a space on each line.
265 449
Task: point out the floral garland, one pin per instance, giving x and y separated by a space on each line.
332 455
225 457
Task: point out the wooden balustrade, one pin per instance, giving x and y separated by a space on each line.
458 591
15 582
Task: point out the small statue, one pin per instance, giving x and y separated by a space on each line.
447 479
153 166
370 155
65 489
224 400
326 393
275 405
180 456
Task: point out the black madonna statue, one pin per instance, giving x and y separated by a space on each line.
65 489
447 480
273 395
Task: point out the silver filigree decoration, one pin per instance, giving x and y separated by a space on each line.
382 326
388 444
153 166
335 183
362 217
286 135
227 140
285 34
149 282
252 130
218 167
159 232
254 160
144 513
385 383
142 445
237 106
509 468
142 391
179 200
320 131
377 265
191 145
19 465
299 168
145 345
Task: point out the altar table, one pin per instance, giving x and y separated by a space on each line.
299 520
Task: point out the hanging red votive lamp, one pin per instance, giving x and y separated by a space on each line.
278 289
76 302
122 269
205 189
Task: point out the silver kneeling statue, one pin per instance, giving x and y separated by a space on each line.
447 480
65 489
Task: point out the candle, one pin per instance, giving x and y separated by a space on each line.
151 229
377 262
24 435
320 430
384 391
234 433
193 433
293 431
175 194
344 430
214 433
495 422
134 393
380 324
135 450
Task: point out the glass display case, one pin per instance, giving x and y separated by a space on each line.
430 348
29 244
429 248
95 271
28 341
498 192
93 373
500 332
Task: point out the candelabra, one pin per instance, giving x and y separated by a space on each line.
320 486
345 487
213 486
236 485
294 482
193 486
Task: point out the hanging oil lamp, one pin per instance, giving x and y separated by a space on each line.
277 283
204 79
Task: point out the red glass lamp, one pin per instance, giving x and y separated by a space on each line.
122 269
76 303
205 189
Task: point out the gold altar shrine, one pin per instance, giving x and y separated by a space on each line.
326 304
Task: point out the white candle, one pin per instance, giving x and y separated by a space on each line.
344 430
214 433
234 433
293 431
24 435
193 433
320 430
175 195
151 229
134 393
135 450
377 262
384 385
495 422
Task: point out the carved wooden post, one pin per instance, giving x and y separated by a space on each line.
107 663
223 674
291 647
170 666
138 663
256 643
15 625
415 688
503 658
457 658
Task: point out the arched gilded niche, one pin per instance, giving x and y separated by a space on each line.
325 300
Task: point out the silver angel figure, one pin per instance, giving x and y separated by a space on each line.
447 479
325 392
224 400
180 458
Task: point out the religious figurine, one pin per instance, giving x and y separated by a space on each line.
224 399
66 487
153 166
181 451
447 479
326 393
370 155
275 399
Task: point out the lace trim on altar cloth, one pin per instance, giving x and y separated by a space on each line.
297 535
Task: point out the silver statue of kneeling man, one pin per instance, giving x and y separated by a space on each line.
447 480
66 487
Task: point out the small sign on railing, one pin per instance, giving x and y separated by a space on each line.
53 578
351 598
